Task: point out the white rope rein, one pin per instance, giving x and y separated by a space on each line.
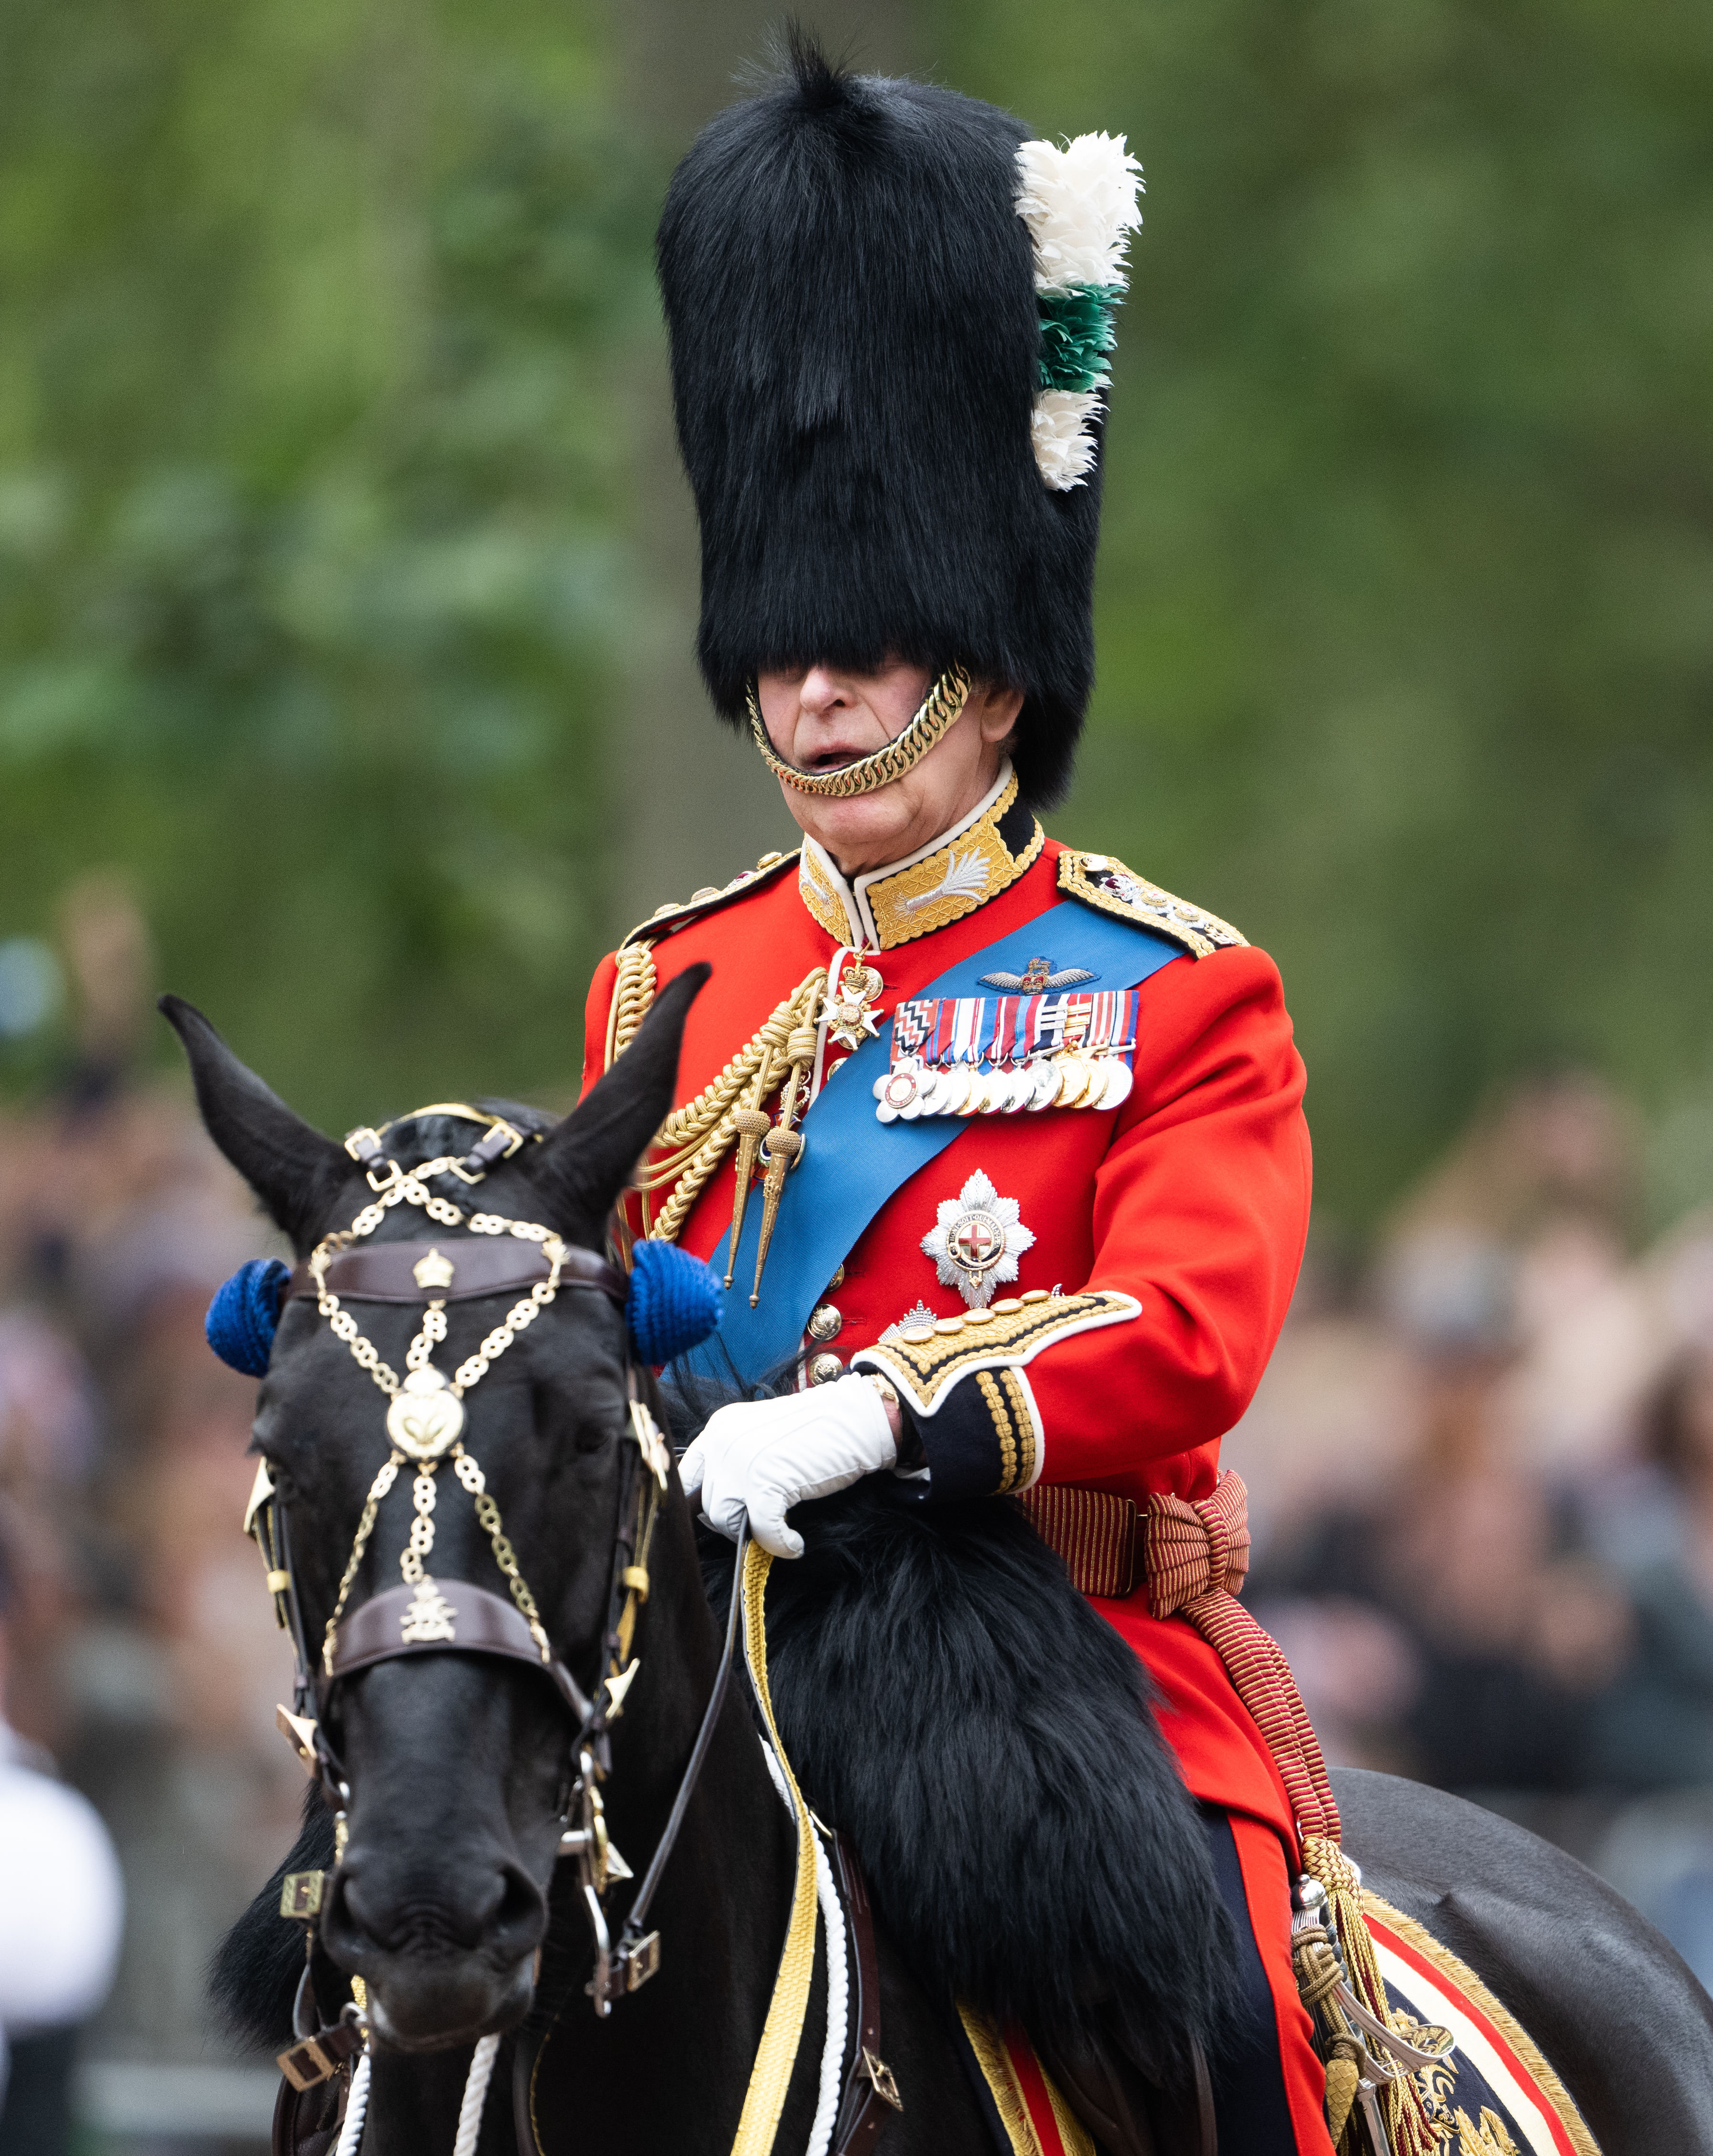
470 2116
475 2095
350 2135
837 1982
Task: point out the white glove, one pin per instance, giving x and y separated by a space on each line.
762 1457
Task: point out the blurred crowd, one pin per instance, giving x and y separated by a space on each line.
1480 1469
139 1658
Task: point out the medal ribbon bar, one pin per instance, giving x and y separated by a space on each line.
979 1056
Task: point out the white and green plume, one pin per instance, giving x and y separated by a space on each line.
1080 204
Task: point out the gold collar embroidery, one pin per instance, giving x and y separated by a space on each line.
960 870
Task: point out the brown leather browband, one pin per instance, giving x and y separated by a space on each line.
456 1617
386 1272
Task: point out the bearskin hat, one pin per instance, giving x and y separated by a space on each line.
887 312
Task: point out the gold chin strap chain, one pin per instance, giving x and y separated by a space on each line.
939 711
425 1414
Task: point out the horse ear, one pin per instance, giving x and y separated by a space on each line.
292 1169
586 1162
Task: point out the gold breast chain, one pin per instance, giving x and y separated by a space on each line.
425 1414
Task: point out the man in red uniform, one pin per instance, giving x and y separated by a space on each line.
1002 1143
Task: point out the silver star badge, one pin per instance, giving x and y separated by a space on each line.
978 1240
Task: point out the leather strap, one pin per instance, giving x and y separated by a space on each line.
481 1264
862 2114
476 1622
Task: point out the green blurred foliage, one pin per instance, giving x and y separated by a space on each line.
317 327
310 469
1406 614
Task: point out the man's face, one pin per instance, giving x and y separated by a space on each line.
827 717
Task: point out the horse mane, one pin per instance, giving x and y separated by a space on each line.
253 1976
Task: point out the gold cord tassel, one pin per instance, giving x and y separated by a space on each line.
1372 2098
785 1143
752 1125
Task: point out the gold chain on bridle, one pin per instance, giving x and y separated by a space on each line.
426 1415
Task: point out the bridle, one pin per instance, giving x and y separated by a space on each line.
425 1421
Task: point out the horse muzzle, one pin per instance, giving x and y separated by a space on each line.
443 1967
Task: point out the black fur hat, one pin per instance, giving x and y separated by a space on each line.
857 349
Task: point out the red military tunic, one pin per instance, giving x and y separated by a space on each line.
1189 1203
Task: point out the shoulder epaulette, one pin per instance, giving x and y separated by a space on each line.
1107 885
667 920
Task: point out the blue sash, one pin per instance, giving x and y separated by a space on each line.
851 1162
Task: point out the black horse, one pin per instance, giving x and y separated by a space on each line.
449 1902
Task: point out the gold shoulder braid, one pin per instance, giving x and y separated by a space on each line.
679 912
1110 887
633 992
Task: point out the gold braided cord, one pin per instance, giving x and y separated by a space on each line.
939 711
692 1143
633 992
1406 2123
686 1127
699 1135
769 2076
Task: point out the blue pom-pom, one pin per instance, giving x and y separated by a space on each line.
675 1301
244 1314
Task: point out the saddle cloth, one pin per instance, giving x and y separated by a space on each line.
1025 2114
1495 2094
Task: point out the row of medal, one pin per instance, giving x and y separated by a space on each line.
949 1058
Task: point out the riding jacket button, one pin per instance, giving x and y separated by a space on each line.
826 1322
824 1369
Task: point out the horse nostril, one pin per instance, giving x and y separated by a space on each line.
343 1930
521 1921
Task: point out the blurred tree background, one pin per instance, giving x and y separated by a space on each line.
345 584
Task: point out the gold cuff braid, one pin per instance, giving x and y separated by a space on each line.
939 711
